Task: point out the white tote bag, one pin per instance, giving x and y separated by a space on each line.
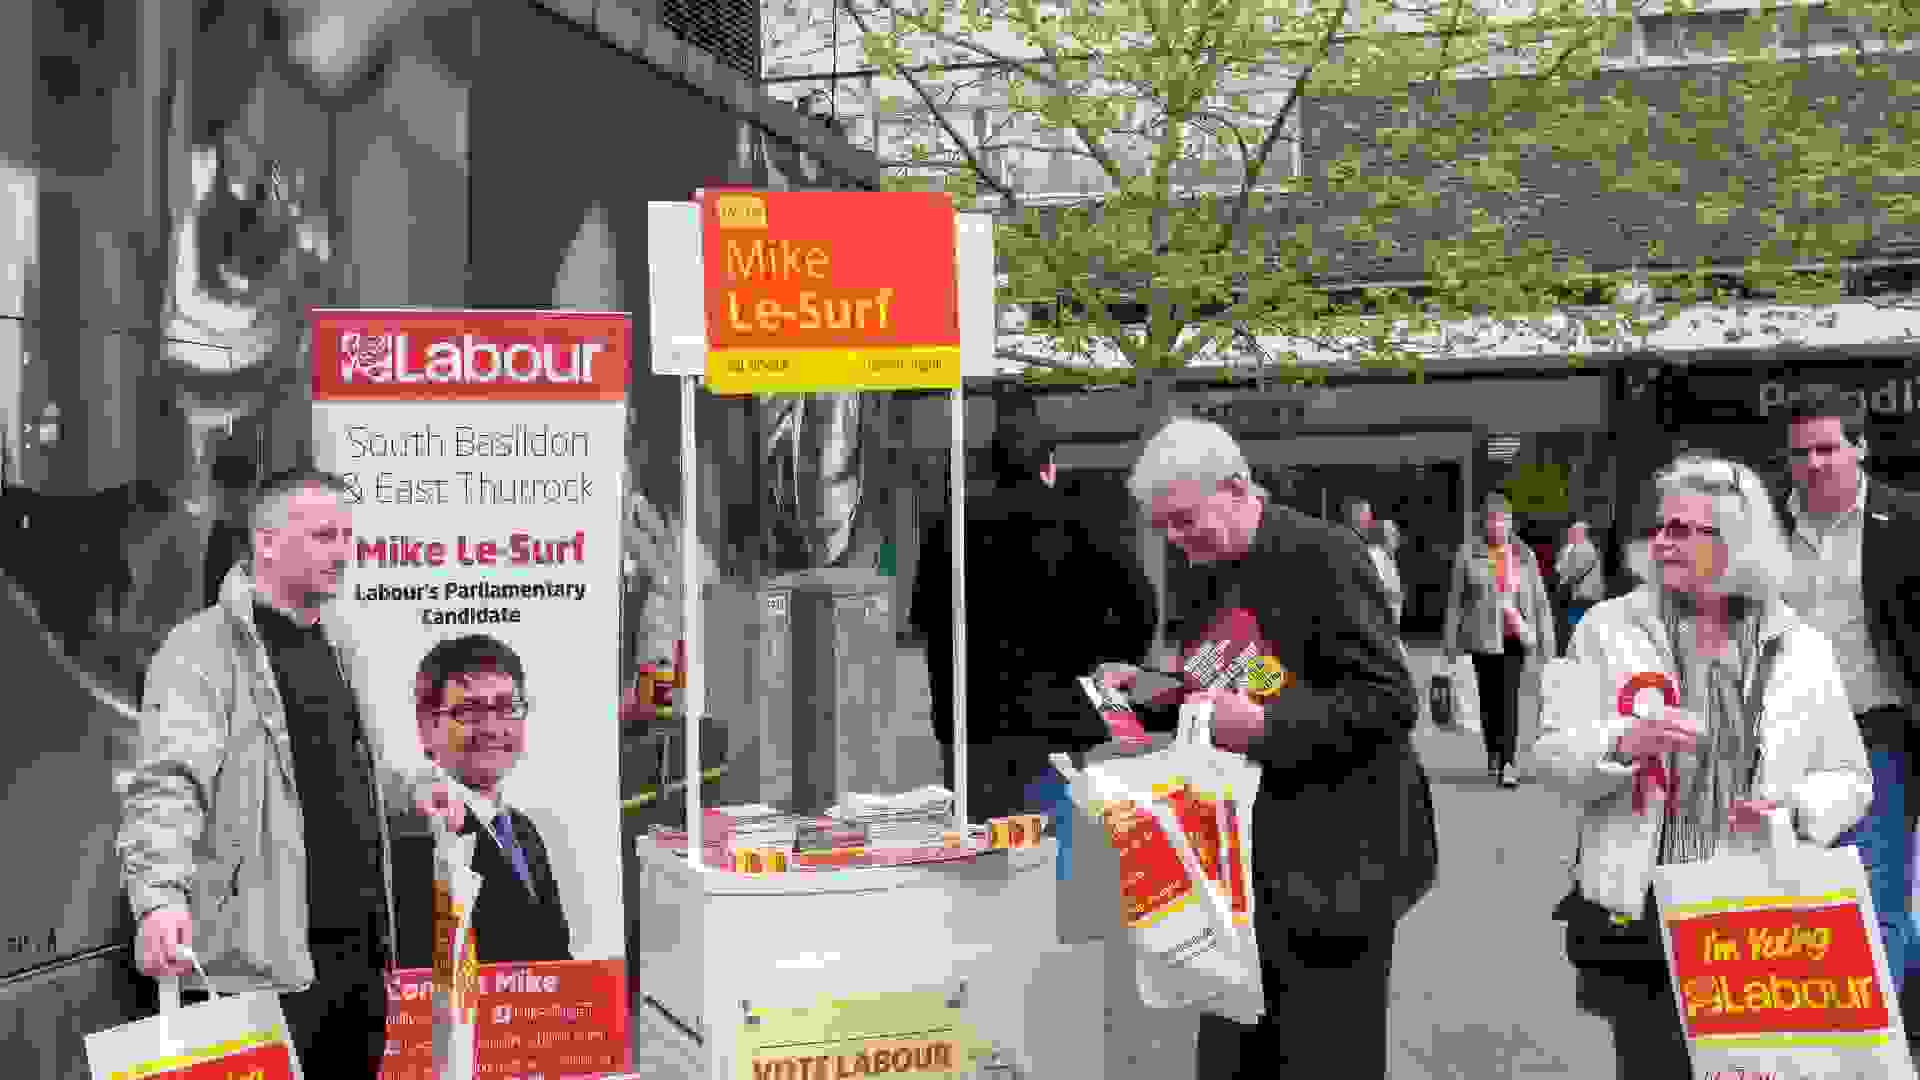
239 1037
1777 964
1188 951
1466 693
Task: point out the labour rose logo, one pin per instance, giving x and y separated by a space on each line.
365 356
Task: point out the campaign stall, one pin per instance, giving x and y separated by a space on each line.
483 451
886 933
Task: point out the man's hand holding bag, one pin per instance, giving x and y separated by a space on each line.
243 1035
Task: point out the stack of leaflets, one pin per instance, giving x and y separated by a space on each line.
914 819
760 827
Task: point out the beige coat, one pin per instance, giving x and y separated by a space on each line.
210 816
1812 757
1473 603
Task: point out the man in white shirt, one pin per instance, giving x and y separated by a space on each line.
1851 537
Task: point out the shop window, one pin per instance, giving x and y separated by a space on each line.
1816 27
1695 34
729 29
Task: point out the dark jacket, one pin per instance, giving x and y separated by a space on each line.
1890 581
1344 835
511 923
1050 596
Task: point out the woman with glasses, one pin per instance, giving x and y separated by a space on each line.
1762 723
1498 613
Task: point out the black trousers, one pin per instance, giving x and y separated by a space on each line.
1648 1039
1499 677
339 1025
1326 1013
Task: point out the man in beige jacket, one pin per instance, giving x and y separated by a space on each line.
254 822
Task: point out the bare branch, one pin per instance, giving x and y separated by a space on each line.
1005 192
1258 166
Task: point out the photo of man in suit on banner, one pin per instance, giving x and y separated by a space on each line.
470 697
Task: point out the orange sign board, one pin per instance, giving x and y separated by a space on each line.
814 291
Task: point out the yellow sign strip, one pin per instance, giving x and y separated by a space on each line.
815 371
1777 1041
1679 912
205 1053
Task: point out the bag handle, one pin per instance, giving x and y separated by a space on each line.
170 984
1196 726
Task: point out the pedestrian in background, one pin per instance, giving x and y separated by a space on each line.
1358 515
1580 581
1499 614
1383 545
1853 540
1711 618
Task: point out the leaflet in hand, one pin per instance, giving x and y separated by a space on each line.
1116 709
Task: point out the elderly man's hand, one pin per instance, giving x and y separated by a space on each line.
1237 718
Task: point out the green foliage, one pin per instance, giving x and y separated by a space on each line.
1762 159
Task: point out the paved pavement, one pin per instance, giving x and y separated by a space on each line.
1482 990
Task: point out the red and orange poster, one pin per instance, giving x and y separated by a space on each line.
812 291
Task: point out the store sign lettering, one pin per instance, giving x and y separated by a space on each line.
1892 397
888 1059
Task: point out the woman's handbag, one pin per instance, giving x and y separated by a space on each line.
1601 942
1440 701
244 1035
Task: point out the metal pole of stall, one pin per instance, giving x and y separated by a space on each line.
693 704
957 474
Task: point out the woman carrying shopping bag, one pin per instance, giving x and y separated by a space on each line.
1499 614
1748 715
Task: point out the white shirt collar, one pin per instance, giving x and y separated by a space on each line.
483 808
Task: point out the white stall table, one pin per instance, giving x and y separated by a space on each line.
715 945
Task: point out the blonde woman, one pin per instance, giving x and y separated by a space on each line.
1498 613
1763 722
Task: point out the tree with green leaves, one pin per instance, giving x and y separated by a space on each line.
1443 142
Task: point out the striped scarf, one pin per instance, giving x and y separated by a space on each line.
1502 567
1708 782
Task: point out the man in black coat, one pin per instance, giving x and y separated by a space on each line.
1049 597
1344 842
472 710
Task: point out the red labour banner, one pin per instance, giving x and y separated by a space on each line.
1777 972
470 355
559 1019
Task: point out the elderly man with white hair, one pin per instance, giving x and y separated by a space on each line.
1343 827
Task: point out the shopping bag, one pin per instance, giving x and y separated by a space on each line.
1466 693
240 1037
1188 951
1777 965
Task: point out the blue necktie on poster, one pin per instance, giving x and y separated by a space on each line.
503 830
